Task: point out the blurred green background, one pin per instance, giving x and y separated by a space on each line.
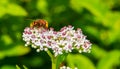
98 19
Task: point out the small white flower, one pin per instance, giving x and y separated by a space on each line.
80 51
38 50
65 67
26 45
45 49
33 46
76 68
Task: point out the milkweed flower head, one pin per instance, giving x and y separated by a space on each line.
64 41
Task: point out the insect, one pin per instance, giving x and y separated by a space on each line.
39 23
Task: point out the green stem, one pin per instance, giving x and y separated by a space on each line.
53 60
50 54
53 65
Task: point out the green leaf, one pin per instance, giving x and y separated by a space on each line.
15 51
2 11
93 31
112 20
59 59
42 6
98 52
2 55
96 7
18 67
110 61
79 61
3 4
76 6
25 67
15 10
7 67
6 39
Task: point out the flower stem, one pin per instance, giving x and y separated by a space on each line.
53 65
53 60
50 54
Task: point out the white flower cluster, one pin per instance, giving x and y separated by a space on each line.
65 67
61 41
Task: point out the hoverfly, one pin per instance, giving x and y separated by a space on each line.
39 23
